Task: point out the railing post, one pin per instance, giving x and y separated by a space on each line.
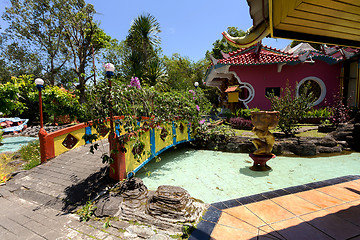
117 168
43 144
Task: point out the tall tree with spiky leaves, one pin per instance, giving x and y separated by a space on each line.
143 40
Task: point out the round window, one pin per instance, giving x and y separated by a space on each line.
315 85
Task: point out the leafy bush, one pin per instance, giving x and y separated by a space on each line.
291 108
246 113
19 97
318 113
31 154
240 123
87 211
340 113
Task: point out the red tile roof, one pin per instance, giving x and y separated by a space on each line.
231 88
267 55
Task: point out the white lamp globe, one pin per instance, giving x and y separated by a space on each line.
109 67
39 81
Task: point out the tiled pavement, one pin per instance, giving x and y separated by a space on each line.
38 204
322 210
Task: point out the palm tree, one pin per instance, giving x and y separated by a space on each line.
144 32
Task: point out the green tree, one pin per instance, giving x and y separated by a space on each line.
84 38
221 45
292 108
182 73
142 44
40 27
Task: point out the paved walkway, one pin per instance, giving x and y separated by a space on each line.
38 204
321 210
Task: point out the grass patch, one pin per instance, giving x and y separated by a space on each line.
5 167
30 153
311 133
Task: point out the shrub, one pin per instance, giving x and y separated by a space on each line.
319 113
31 154
240 123
246 113
340 114
292 108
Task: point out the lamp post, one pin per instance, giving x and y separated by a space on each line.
42 133
39 85
118 169
109 70
196 84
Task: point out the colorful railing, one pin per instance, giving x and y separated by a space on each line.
156 139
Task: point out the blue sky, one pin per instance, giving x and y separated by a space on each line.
189 27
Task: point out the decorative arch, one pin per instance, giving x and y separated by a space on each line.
321 85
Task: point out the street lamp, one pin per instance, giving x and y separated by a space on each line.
42 133
109 69
40 84
196 84
118 157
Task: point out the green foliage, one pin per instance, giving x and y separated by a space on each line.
245 113
142 50
318 113
87 211
182 73
20 98
134 103
292 108
31 154
9 98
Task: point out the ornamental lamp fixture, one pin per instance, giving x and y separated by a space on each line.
39 83
196 84
109 68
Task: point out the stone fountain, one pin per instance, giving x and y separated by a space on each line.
263 121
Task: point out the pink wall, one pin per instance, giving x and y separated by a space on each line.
263 76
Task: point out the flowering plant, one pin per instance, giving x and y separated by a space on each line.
135 82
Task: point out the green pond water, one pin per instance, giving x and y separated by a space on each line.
214 176
13 144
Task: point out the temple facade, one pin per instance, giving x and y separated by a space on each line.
246 76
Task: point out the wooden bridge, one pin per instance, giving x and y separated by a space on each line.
138 150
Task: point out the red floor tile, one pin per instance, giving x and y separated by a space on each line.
237 223
340 193
331 224
269 211
347 212
320 199
295 229
221 232
295 204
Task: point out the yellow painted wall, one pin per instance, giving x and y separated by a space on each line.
59 148
180 136
159 143
131 162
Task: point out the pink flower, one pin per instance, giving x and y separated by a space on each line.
194 98
192 92
202 121
135 82
197 107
